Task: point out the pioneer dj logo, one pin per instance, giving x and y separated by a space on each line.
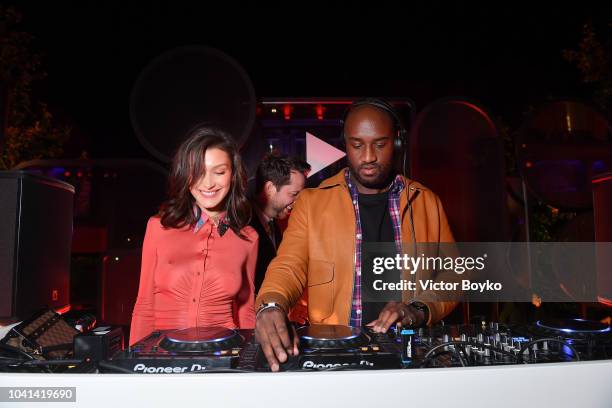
142 368
312 365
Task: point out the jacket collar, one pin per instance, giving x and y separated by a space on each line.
335 180
339 180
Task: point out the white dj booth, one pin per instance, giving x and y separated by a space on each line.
578 384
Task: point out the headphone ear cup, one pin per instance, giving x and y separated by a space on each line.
399 143
399 146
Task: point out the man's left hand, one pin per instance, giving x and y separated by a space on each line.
394 312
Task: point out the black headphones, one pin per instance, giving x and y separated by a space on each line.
400 139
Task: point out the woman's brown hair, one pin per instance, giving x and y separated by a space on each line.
188 167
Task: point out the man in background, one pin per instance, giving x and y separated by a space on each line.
278 181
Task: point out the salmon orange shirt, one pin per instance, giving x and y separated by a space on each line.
195 277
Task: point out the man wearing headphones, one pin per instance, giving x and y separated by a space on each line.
321 249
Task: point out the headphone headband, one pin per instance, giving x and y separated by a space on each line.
380 104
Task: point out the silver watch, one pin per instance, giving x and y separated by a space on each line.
268 305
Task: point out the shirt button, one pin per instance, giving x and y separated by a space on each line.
198 273
355 202
358 311
358 236
193 300
358 273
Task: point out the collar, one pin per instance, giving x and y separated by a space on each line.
204 218
396 186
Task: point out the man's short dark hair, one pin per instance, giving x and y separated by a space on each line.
277 169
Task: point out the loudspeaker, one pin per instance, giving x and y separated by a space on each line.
35 240
602 212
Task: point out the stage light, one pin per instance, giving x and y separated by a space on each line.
320 109
287 111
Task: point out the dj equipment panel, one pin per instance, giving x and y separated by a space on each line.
334 347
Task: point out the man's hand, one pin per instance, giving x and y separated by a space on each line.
394 312
273 335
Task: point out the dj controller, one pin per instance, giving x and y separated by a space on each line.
335 347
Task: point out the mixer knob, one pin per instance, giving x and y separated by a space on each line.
480 338
487 351
463 337
445 338
545 345
496 326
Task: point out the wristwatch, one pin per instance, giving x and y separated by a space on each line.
268 305
420 306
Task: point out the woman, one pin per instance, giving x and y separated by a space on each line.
199 255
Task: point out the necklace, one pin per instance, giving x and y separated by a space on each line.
215 220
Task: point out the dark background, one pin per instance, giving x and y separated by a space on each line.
505 55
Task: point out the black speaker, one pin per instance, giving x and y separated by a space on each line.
602 211
35 240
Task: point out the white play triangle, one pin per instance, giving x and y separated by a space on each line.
320 154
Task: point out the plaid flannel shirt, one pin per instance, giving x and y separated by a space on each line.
395 190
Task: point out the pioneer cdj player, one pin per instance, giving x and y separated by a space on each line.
187 351
336 347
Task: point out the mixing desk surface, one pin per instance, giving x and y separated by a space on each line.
333 347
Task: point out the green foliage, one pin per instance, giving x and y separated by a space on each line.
31 132
593 59
546 222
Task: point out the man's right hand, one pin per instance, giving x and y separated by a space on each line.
273 335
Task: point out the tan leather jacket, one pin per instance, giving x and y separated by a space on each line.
318 250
